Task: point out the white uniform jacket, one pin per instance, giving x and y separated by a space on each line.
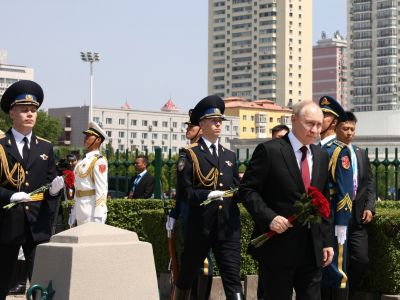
91 188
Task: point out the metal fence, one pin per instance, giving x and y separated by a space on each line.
385 169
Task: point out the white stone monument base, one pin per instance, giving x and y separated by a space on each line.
97 261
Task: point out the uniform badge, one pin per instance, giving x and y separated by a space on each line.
229 163
102 168
325 101
44 156
181 164
346 162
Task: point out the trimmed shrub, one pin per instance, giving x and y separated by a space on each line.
384 253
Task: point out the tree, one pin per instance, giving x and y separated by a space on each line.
46 127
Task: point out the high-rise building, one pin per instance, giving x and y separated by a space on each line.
11 73
330 68
374 54
260 49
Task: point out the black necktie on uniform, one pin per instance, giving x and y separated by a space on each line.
214 150
25 151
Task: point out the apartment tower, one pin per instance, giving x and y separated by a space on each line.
374 54
330 68
260 49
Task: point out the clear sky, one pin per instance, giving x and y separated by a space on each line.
150 50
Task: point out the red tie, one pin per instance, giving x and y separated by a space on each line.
305 171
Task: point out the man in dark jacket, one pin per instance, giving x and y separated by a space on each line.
363 207
280 172
141 186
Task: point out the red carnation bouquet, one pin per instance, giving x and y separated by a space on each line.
69 180
311 208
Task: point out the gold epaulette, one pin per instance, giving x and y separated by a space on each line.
42 139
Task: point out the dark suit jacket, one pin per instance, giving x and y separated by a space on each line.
270 186
365 197
145 187
40 170
218 217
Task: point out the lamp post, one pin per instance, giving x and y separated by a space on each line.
90 57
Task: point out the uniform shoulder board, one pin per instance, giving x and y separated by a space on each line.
192 145
339 144
42 139
99 156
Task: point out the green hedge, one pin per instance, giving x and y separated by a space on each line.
147 219
384 252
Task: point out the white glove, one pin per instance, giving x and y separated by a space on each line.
341 233
56 185
20 197
72 218
215 195
170 223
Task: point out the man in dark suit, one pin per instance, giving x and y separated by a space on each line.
280 172
141 186
27 163
206 172
363 205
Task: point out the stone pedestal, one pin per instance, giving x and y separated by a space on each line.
97 261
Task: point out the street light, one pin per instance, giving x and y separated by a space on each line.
90 57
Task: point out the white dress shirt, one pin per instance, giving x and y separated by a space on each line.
208 144
19 140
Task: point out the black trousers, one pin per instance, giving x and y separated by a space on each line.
304 276
357 255
227 256
8 261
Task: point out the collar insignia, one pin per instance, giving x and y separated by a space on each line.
44 156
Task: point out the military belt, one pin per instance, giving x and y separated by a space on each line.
86 193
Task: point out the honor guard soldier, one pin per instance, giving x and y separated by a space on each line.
202 283
91 181
334 277
27 163
207 171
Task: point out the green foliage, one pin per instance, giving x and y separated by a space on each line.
384 253
5 121
154 226
46 127
388 204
